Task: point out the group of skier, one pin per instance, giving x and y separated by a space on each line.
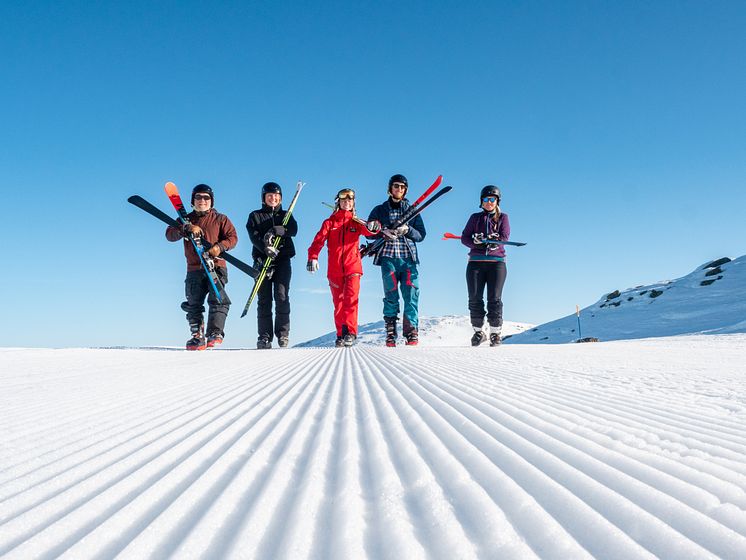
397 258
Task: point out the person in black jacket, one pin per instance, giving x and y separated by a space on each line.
263 226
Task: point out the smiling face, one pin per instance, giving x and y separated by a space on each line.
489 203
347 204
202 202
272 200
398 190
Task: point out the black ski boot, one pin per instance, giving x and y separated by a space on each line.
198 341
495 339
478 338
349 339
339 343
390 331
215 339
263 342
282 342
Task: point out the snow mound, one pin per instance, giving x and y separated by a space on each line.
709 300
448 330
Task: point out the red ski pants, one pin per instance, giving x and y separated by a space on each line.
345 296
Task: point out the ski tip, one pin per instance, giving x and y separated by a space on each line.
170 188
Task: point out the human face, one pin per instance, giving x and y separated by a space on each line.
202 202
489 203
398 190
272 199
347 204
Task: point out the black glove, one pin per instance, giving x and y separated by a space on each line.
271 252
279 231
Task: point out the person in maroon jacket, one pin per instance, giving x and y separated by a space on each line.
341 232
486 266
208 223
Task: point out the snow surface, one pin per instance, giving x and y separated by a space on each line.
711 299
628 449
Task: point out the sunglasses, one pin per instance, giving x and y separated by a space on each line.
398 186
201 197
489 199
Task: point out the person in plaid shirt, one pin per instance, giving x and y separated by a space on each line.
398 261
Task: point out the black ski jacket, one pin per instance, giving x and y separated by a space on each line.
261 221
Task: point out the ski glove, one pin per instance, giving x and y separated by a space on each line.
312 265
494 236
478 238
271 252
191 229
401 230
279 231
373 226
215 250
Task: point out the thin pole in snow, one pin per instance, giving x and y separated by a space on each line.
577 312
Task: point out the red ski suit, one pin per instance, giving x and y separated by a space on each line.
342 233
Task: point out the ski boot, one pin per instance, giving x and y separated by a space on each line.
495 339
339 343
478 337
412 338
197 342
349 339
390 331
215 339
282 342
263 343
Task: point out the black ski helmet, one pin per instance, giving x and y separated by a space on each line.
489 190
202 188
398 178
271 187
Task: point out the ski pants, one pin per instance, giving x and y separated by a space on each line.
492 276
401 274
276 288
196 287
345 296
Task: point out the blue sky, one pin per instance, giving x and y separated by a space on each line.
615 130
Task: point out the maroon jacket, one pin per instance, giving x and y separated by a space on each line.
216 228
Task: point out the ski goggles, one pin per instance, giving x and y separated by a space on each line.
489 199
346 193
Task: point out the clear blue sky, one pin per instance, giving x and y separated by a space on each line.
616 131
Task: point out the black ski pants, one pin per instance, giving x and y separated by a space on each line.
492 276
196 287
276 288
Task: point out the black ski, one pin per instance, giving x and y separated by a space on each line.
372 248
143 204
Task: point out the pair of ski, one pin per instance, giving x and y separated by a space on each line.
201 245
414 210
448 235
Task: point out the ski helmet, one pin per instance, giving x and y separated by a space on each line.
271 187
489 190
202 188
398 178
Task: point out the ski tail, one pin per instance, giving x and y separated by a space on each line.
276 244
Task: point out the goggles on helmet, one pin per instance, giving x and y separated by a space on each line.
346 193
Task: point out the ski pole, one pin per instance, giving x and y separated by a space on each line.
577 312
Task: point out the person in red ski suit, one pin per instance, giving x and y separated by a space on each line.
341 232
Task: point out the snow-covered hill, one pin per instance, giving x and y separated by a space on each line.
628 449
711 299
448 330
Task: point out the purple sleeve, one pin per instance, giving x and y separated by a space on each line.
504 228
469 230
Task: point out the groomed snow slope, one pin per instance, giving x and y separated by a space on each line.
630 449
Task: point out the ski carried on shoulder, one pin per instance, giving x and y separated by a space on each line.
276 244
142 204
448 235
414 210
208 264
